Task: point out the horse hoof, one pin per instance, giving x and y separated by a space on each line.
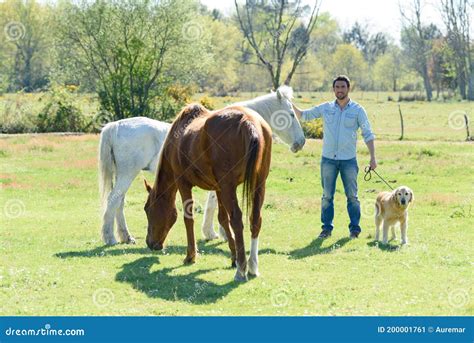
240 278
129 240
254 273
210 235
190 260
111 242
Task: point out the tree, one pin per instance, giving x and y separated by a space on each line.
457 16
348 60
136 49
388 69
277 31
372 46
417 41
221 76
26 44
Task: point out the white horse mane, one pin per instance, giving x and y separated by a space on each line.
265 105
286 91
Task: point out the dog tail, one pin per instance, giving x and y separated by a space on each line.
377 209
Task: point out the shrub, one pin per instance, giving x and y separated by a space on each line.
413 97
16 118
313 128
207 102
60 114
174 98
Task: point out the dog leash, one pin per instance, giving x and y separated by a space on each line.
368 176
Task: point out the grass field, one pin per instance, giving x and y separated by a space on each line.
53 262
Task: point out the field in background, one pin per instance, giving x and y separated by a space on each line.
53 262
423 121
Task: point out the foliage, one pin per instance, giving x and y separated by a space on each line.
313 128
136 49
60 114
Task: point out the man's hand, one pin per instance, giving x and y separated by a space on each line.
373 164
297 111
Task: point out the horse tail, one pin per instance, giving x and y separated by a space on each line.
106 163
253 149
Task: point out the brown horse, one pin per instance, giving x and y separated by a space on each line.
215 151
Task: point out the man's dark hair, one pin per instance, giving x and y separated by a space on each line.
342 78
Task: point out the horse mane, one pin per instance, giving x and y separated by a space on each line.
266 104
286 92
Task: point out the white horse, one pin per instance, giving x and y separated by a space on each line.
130 145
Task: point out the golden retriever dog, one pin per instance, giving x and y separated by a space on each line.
392 208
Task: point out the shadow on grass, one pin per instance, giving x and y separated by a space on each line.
204 247
163 284
315 248
383 247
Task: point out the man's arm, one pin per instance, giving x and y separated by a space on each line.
373 161
310 114
368 135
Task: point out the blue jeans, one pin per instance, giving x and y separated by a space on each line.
329 171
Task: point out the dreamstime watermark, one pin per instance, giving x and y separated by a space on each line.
192 31
281 120
198 290
14 31
458 298
280 297
367 208
456 120
46 331
14 208
101 119
103 297
190 206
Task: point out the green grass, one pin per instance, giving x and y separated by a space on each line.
53 262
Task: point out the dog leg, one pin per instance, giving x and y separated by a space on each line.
404 229
386 227
394 234
378 222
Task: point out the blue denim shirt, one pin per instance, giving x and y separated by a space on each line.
340 128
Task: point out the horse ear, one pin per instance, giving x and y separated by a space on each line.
147 186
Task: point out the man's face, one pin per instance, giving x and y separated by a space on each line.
341 90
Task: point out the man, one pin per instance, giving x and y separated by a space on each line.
341 120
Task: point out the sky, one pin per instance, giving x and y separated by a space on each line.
380 15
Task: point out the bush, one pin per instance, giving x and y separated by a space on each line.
60 114
207 102
16 118
413 97
313 128
173 100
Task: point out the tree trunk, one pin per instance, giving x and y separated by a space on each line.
470 93
427 83
462 85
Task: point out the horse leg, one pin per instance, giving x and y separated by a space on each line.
207 225
122 228
188 206
224 223
122 185
113 201
256 224
230 202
